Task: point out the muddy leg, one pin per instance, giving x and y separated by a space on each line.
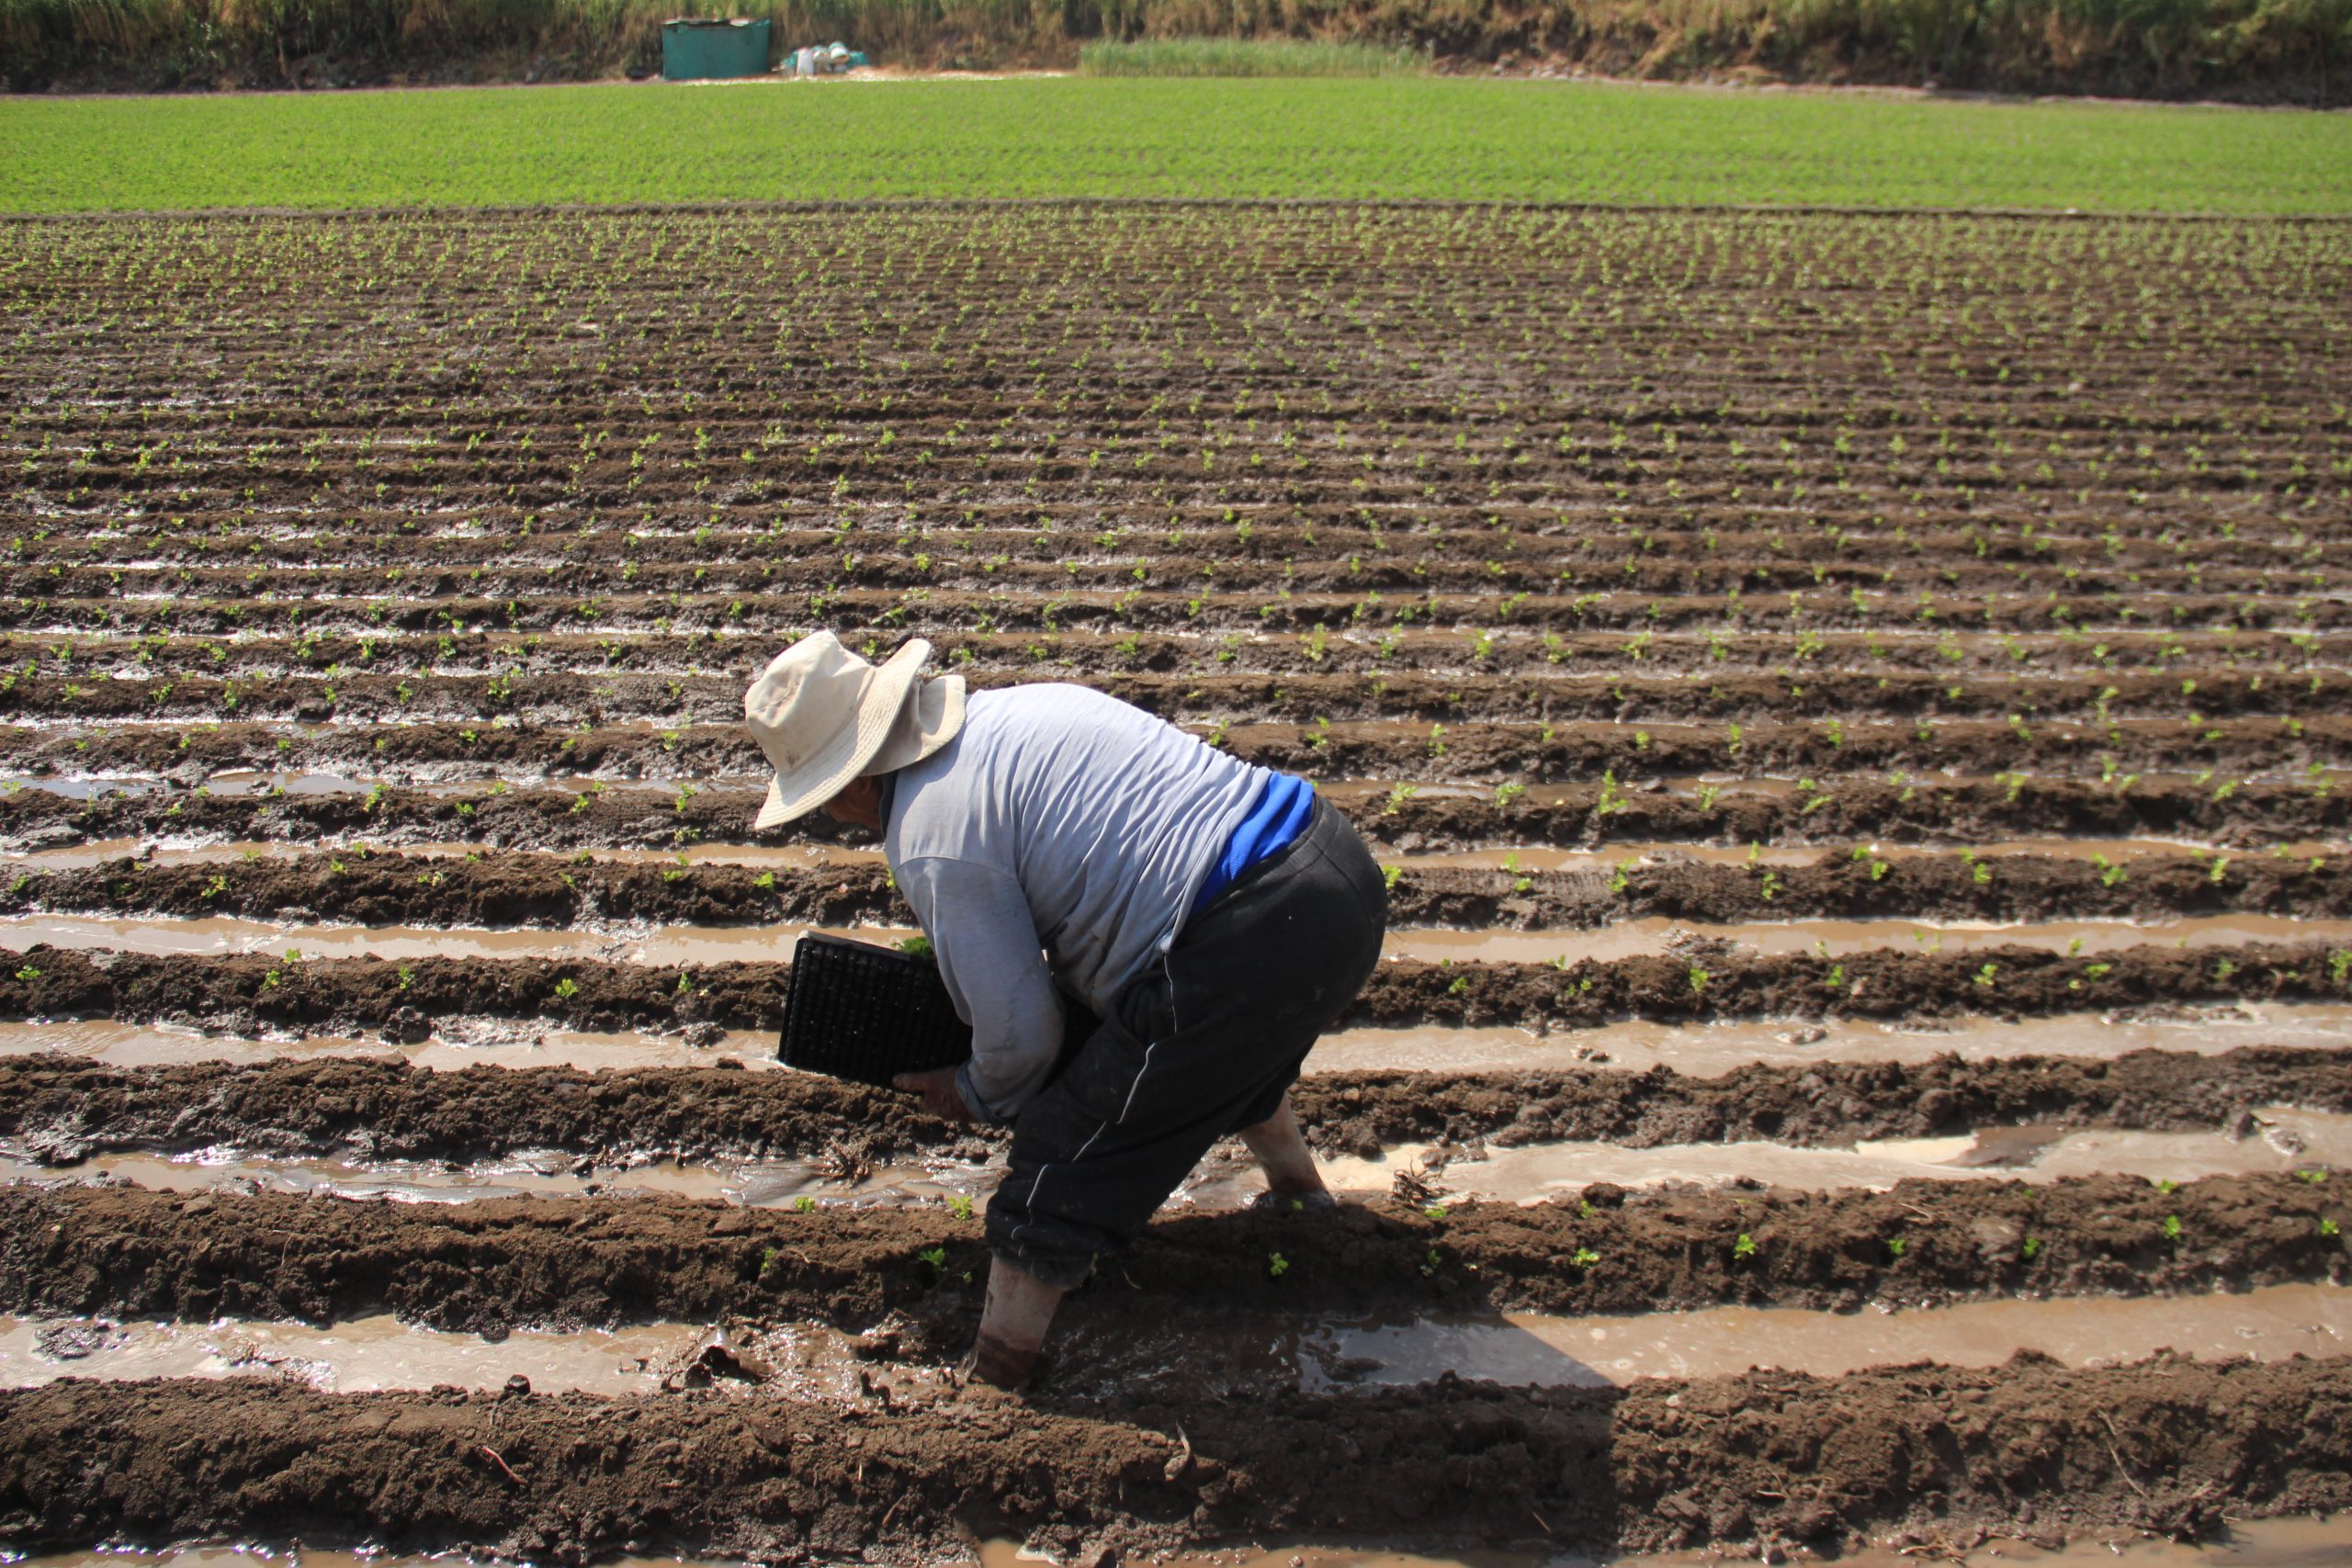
1282 1153
1012 1325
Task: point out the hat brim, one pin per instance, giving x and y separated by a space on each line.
877 735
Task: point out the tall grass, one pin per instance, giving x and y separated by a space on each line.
2295 50
1245 57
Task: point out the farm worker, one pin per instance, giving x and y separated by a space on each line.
1060 847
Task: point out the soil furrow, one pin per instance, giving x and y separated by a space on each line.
252 994
465 614
1403 816
1771 1457
505 888
1395 696
1470 751
1381 574
1480 652
507 1262
67 1109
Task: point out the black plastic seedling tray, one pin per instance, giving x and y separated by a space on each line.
866 1013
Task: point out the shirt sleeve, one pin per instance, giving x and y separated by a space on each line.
986 941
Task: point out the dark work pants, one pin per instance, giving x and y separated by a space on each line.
1204 1043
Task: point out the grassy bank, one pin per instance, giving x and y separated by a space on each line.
2274 51
1423 139
1246 57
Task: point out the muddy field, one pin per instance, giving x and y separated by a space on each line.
1852 709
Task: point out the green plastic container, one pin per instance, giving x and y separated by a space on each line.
700 48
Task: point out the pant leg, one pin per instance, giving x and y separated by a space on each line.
1204 1043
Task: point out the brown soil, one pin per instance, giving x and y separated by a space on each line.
2166 1446
66 1109
1398 696
2039 514
250 995
525 626
1159 639
1520 753
1847 810
505 1263
523 889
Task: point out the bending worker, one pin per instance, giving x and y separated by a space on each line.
1060 847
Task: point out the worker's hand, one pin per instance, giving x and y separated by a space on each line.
940 1095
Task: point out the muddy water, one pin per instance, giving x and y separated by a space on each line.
1628 939
762 1183
1255 1354
2267 1324
358 1357
806 857
2252 1543
1545 857
669 947
2282 1140
1699 1049
1707 1050
701 946
456 1042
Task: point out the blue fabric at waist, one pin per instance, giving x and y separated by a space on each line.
1283 810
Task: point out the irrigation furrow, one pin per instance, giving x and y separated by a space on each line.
1437 571
248 994
2226 749
554 701
1406 815
1663 1464
722 619
492 888
1260 1356
498 1263
65 1111
1479 653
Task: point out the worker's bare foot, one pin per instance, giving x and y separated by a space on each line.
1282 1153
999 1365
1013 1326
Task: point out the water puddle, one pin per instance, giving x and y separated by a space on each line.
1591 1352
1652 936
702 946
1709 1050
671 947
1546 857
459 1041
362 1356
1699 1050
2280 1140
546 1174
1261 1354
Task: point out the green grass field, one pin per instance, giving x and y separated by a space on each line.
1426 139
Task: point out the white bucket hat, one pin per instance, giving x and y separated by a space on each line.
824 716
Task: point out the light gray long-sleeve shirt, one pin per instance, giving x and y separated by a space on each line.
1060 837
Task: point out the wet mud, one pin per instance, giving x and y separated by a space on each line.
1476 516
505 888
249 994
1475 749
505 1263
63 1111
1774 1457
1848 808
